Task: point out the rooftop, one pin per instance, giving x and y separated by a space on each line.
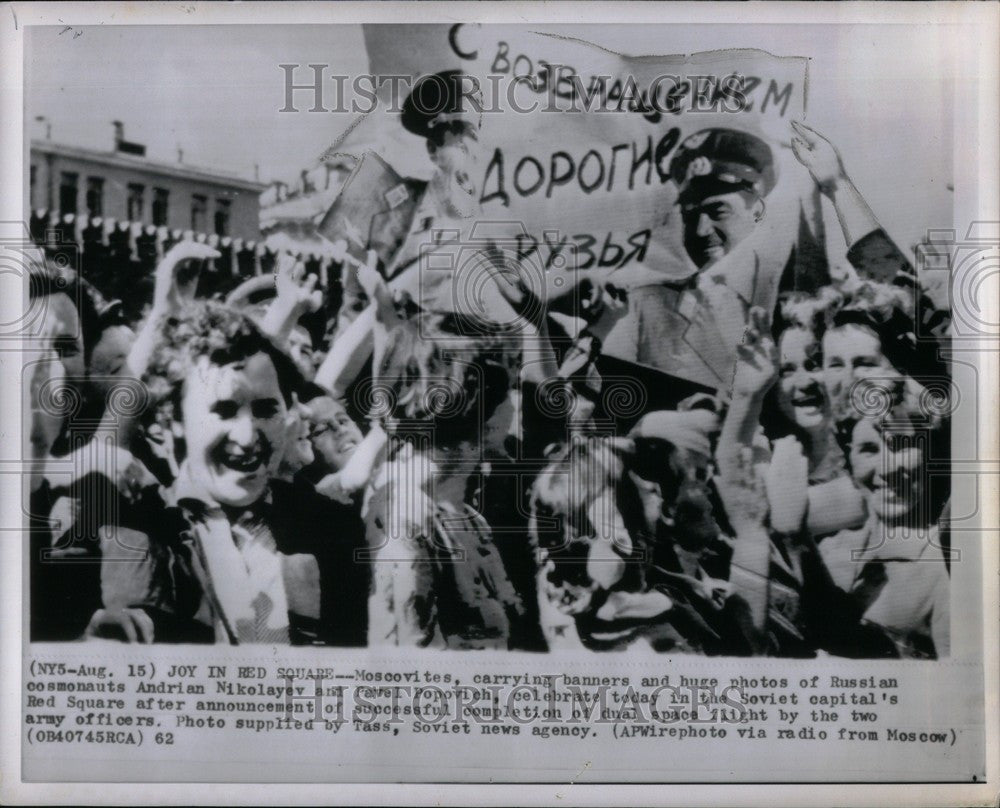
127 161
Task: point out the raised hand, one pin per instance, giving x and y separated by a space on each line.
787 483
516 288
296 291
339 252
757 358
177 275
604 308
819 156
377 291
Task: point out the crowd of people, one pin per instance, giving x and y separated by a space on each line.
261 466
119 257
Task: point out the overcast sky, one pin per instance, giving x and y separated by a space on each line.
883 94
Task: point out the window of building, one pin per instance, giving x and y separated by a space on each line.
222 208
136 201
95 196
68 192
199 209
161 202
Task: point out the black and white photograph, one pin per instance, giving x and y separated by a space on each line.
599 380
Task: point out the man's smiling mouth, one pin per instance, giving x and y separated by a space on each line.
814 399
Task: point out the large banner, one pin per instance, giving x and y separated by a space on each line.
578 140
576 161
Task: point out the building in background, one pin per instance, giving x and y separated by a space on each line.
114 214
124 185
111 215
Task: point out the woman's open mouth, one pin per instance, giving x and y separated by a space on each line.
347 444
244 461
896 491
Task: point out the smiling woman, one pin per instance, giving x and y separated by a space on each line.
799 403
909 601
233 427
233 554
232 387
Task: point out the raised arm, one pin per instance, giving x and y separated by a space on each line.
175 284
870 250
359 469
528 300
363 337
825 166
739 484
296 295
